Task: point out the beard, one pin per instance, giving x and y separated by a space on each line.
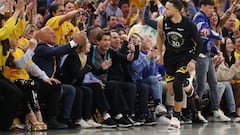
168 18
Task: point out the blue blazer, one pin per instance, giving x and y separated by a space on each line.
44 57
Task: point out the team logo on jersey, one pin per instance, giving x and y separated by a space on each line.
175 39
166 27
180 29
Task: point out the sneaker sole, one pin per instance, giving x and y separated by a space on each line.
96 126
172 128
187 122
150 124
234 121
124 125
109 126
218 120
137 124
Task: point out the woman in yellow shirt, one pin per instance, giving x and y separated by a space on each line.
10 95
19 64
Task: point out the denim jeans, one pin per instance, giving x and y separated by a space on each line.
220 89
155 88
67 97
225 91
205 72
229 98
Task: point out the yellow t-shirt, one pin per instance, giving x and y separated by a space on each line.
22 43
61 30
17 73
10 31
236 54
138 3
237 24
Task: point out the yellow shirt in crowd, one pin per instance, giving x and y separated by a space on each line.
17 73
138 3
237 24
10 31
236 54
23 43
61 30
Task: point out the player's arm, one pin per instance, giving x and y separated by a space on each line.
197 40
160 39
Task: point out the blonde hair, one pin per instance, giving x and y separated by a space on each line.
82 45
28 29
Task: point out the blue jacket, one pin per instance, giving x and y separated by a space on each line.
44 57
202 22
142 67
160 72
147 19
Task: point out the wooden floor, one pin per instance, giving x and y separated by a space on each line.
190 129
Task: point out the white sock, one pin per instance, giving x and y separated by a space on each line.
106 116
119 116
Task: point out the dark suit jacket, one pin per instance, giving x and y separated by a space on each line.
44 57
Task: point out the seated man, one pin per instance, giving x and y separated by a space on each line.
142 72
102 58
47 57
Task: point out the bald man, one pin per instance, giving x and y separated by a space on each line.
47 57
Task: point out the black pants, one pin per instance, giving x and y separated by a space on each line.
10 96
100 101
50 94
115 98
143 97
30 94
129 91
83 103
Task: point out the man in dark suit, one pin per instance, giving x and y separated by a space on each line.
47 57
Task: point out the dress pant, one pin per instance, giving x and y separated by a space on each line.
115 97
100 101
82 103
49 94
67 97
129 91
143 97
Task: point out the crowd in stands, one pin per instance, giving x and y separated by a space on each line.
118 63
